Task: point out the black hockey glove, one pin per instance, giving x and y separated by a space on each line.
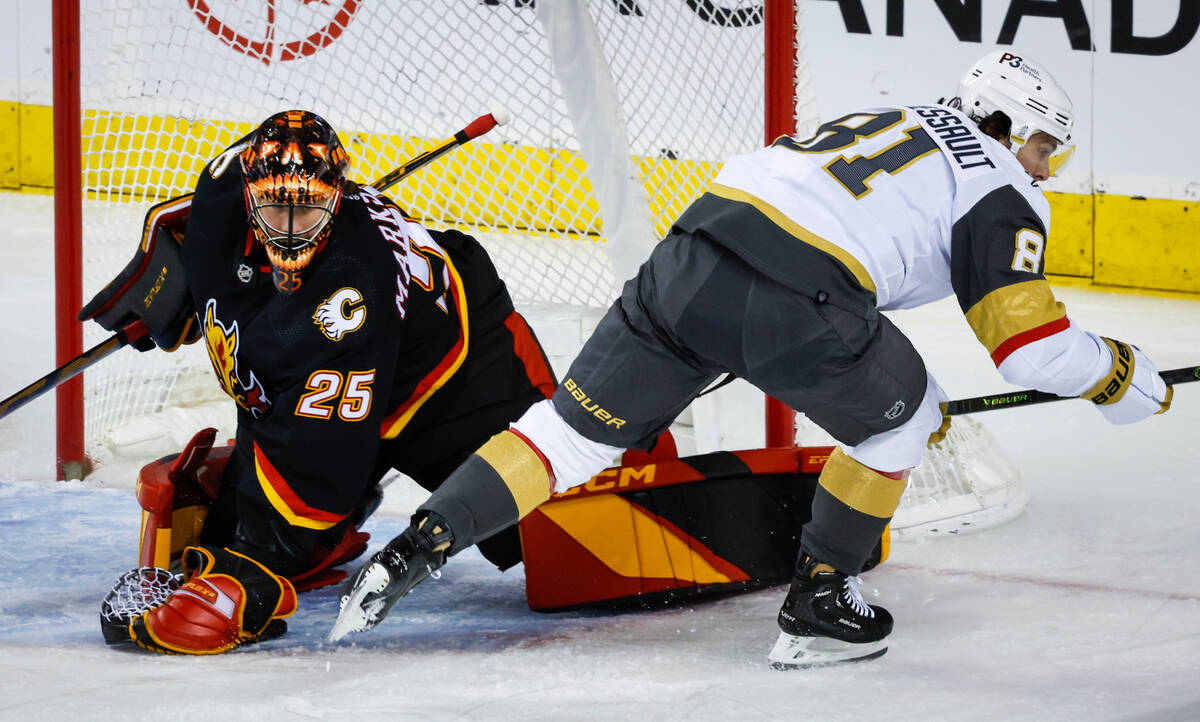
152 287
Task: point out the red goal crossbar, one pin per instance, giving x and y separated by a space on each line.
779 118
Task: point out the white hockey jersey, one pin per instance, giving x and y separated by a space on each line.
911 204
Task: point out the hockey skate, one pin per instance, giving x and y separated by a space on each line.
824 620
392 572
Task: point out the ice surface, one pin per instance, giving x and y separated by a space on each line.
1087 607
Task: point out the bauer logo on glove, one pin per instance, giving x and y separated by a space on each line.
152 286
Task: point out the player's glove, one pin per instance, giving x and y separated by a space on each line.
228 600
1132 389
151 287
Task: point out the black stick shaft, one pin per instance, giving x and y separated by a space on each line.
1025 398
58 376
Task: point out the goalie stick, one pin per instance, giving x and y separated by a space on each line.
132 333
1009 399
137 330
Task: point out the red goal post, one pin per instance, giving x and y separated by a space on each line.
623 111
109 33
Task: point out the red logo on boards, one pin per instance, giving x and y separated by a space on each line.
276 30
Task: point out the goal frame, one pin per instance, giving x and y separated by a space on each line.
780 62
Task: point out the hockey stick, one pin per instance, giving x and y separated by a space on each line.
137 330
474 129
1010 399
132 333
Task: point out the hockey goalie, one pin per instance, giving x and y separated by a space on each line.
353 341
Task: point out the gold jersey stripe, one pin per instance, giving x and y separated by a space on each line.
794 229
860 488
520 468
1012 310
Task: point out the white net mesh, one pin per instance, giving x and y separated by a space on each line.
621 114
167 84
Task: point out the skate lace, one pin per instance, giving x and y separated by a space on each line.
137 591
853 597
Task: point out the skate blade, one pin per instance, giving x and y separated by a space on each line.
792 652
353 617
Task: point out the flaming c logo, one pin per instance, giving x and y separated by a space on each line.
222 346
341 313
312 25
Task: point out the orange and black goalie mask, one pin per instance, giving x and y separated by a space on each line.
293 171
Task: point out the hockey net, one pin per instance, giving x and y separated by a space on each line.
621 113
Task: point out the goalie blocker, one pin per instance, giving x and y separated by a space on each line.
152 286
659 528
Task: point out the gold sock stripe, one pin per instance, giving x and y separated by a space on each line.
861 488
520 468
1113 385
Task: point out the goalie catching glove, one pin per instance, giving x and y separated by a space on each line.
228 600
152 286
1132 389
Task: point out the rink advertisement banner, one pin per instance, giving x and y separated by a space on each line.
1125 208
1125 64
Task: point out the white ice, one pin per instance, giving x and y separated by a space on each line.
1086 607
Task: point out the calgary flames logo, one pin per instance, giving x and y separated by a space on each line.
222 346
341 313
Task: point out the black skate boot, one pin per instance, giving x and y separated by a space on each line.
825 620
392 572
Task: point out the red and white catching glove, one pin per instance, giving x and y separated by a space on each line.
228 600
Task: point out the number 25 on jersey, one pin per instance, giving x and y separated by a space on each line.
329 391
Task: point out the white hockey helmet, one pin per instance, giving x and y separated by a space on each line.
1024 91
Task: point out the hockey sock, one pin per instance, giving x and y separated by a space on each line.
493 489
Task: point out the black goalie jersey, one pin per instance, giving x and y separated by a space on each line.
400 349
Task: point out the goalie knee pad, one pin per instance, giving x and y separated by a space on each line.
228 600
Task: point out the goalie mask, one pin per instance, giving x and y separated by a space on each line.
1024 91
293 171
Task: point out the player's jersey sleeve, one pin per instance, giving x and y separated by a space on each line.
997 257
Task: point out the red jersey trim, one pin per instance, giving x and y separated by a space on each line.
1006 349
285 501
446 368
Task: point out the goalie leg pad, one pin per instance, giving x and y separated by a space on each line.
175 494
228 600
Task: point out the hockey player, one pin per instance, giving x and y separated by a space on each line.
778 274
353 341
